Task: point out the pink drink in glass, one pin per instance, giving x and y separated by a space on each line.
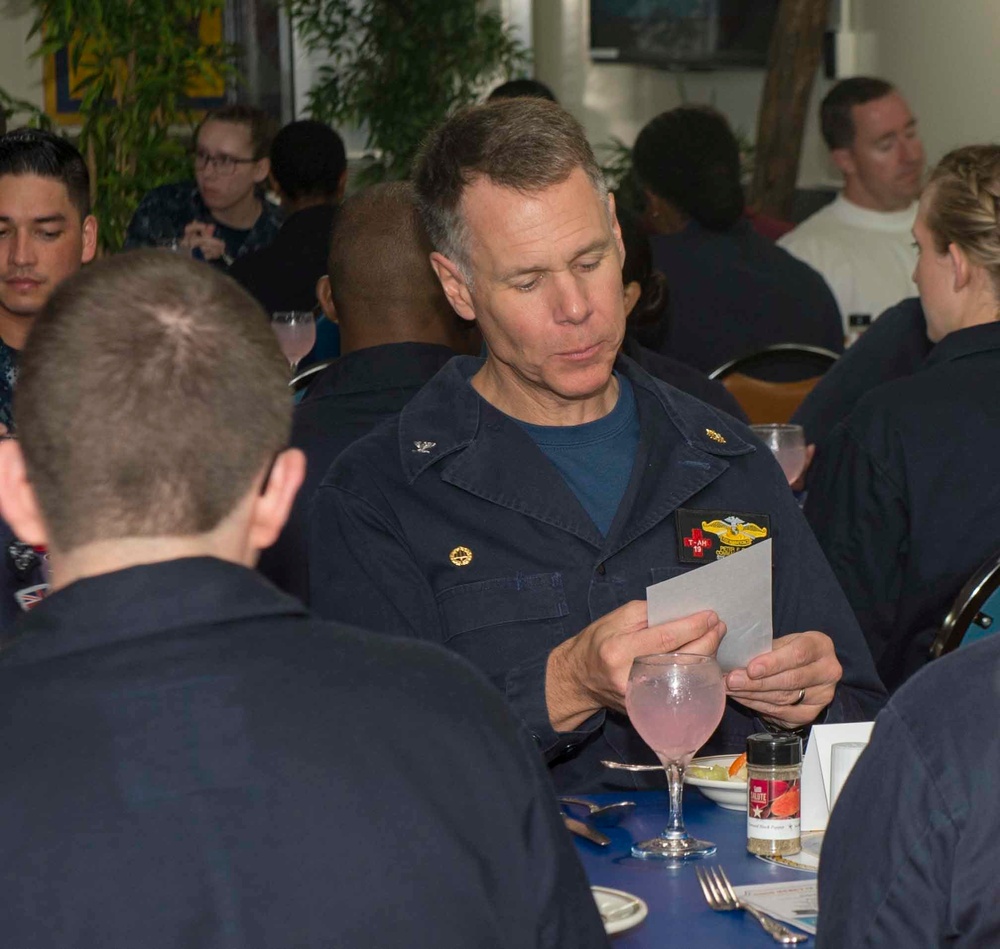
296 336
675 727
792 459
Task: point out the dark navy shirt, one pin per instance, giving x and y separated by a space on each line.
595 458
904 500
192 760
734 292
9 358
910 857
448 524
895 345
164 212
347 400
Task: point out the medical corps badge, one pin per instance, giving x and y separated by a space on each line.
704 536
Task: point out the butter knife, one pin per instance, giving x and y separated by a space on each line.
581 829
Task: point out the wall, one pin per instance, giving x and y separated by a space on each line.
945 58
22 79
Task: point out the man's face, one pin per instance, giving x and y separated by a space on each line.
230 174
546 289
42 241
884 166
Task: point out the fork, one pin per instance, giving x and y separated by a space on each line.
720 896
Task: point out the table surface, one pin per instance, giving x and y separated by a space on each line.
678 913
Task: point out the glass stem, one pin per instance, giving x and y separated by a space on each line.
675 781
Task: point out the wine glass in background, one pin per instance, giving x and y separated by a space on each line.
296 332
788 442
675 701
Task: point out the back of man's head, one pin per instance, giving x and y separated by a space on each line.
690 158
522 88
381 280
151 395
836 121
308 160
524 144
36 152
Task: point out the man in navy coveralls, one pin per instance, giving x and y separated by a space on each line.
520 504
189 759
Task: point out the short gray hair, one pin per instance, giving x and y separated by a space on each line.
526 145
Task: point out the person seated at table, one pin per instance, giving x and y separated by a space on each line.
189 758
910 857
222 214
518 506
647 298
894 346
397 331
732 291
904 499
46 233
309 175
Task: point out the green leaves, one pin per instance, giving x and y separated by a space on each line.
401 66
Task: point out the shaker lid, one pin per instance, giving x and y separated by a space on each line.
774 750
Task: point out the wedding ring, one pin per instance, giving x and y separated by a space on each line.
801 698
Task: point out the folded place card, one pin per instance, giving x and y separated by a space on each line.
817 771
738 588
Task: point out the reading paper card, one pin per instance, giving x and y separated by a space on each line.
738 588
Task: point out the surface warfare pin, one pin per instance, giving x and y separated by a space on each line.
423 448
461 556
704 536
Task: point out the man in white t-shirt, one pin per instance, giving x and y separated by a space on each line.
861 243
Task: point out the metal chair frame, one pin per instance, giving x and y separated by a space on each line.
742 363
967 610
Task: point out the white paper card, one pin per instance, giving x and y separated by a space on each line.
738 588
794 903
816 772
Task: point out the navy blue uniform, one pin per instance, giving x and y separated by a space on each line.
191 760
910 857
449 524
904 501
735 292
895 345
345 401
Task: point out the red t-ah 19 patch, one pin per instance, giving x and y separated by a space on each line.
705 536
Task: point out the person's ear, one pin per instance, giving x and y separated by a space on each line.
273 503
961 269
272 185
844 161
18 504
342 186
261 170
454 286
89 239
324 293
633 290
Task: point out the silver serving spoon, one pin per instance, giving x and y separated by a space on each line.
604 815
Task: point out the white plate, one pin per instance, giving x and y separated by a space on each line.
624 909
731 795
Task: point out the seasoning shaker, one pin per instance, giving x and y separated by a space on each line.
774 777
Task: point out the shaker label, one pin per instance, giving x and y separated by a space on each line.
773 809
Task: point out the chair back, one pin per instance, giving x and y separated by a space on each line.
764 400
975 614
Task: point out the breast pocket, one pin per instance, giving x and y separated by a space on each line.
501 623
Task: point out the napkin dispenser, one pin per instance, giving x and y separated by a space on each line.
818 785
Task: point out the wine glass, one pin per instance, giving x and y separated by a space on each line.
296 332
675 701
788 442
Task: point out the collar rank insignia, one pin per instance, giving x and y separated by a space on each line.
23 559
705 536
423 448
715 436
30 597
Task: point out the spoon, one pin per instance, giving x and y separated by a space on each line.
624 766
604 815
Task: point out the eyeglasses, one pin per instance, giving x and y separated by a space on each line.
222 163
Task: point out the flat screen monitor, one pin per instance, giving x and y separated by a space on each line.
682 34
